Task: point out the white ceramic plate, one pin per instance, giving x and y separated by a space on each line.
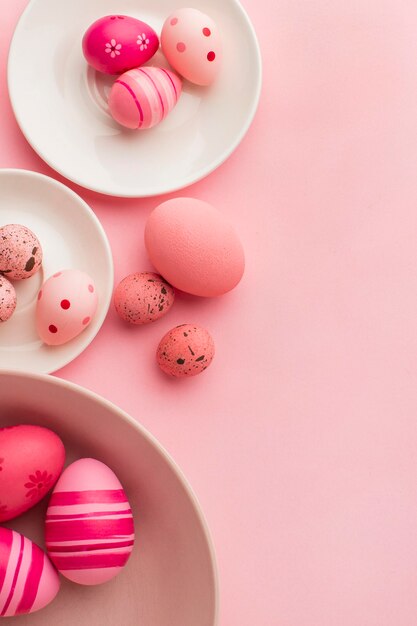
170 579
60 103
71 237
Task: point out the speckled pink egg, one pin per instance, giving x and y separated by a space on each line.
31 459
186 350
191 42
117 43
143 298
28 580
194 247
89 529
20 252
7 299
67 303
143 97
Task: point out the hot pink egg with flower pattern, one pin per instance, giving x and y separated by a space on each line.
31 459
89 529
117 43
66 305
28 580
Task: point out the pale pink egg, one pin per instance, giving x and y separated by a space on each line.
67 303
192 44
28 580
117 43
143 97
7 299
89 530
31 459
185 351
143 297
194 247
20 252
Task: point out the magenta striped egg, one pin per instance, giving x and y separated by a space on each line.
28 580
89 530
143 97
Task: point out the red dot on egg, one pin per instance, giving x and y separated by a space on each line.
86 320
181 46
206 32
211 56
90 288
174 21
65 304
53 329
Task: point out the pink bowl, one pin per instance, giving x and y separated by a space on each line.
171 575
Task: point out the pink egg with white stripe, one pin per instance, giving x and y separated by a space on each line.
89 529
143 97
28 580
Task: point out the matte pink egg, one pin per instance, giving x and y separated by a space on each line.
7 299
28 580
192 44
143 97
31 460
20 252
194 247
117 43
143 297
66 305
185 351
89 529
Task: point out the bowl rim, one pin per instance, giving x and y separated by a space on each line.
153 441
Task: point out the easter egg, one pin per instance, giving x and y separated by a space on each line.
66 305
117 43
143 297
7 299
143 97
31 459
185 351
194 247
20 252
28 580
192 44
89 529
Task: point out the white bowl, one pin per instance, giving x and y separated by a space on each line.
170 579
71 238
61 104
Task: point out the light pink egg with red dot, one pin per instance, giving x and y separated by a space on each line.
192 44
66 305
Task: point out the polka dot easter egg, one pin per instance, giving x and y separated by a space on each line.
143 298
66 305
185 351
31 459
7 299
28 580
89 529
191 42
143 97
20 252
117 43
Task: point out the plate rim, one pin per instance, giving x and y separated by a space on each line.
151 192
106 298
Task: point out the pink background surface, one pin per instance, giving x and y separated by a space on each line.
300 440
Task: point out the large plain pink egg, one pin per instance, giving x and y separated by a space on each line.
28 580
194 247
117 43
31 459
89 531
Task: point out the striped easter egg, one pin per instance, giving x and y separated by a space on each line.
89 530
143 97
28 580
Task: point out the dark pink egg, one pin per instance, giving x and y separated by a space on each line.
117 43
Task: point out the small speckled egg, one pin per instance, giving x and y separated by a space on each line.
143 297
191 42
20 252
66 305
186 350
7 299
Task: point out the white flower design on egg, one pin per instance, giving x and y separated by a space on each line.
142 41
113 48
